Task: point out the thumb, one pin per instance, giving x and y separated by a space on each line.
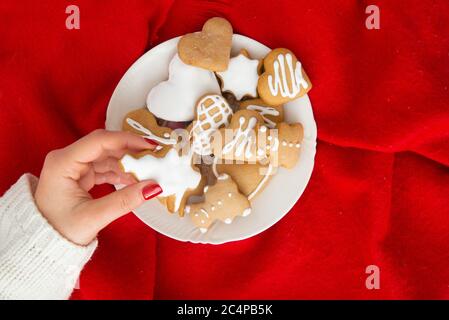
119 203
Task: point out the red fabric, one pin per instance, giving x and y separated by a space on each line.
379 193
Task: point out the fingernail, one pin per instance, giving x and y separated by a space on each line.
152 142
150 191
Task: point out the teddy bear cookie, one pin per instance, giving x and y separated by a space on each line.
222 201
283 79
210 48
176 175
271 115
289 138
241 77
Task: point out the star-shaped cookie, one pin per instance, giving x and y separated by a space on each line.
241 76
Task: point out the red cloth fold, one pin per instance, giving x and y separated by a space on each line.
379 193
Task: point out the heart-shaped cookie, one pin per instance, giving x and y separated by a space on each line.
210 48
284 78
175 98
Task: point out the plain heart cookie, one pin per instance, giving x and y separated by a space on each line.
210 48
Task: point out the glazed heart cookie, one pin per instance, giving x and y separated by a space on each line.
173 172
271 114
212 113
210 48
241 76
284 78
223 202
143 123
174 99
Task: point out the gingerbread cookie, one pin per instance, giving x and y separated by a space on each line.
143 123
174 99
251 178
212 113
210 48
238 142
248 140
289 138
173 172
271 114
283 79
223 202
241 76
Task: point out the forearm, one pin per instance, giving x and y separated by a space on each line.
36 262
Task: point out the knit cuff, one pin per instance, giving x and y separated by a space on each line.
36 262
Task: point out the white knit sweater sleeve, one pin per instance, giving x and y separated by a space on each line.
36 262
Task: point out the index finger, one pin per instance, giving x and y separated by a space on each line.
99 142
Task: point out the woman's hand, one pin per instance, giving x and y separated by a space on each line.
69 173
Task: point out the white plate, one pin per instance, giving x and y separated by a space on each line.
282 191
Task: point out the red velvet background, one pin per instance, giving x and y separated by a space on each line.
379 193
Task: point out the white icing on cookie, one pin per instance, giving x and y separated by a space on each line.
214 168
146 133
173 173
280 83
208 120
174 99
260 185
274 146
263 111
241 77
243 140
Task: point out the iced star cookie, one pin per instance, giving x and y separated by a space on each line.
143 123
271 114
222 202
175 98
283 79
212 112
241 76
176 175
210 48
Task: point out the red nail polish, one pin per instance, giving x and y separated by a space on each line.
152 142
150 191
